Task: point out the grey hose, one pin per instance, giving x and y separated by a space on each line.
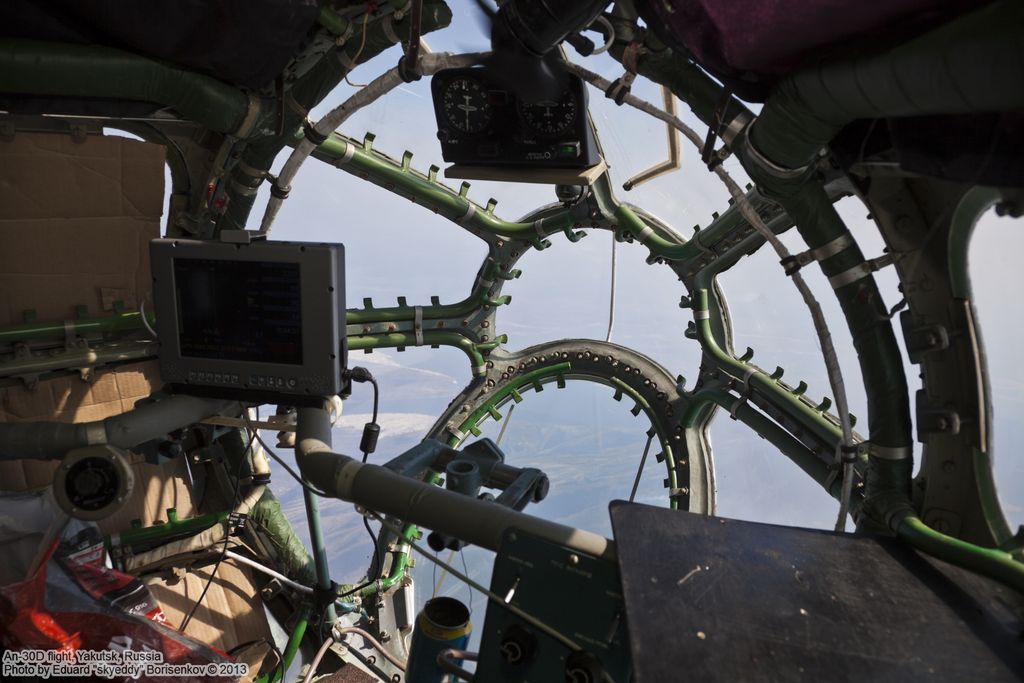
51 440
972 64
478 522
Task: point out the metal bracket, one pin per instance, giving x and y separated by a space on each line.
674 160
922 339
934 420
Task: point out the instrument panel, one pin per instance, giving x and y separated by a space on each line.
479 122
578 596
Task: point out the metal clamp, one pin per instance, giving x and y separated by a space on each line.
770 166
312 134
417 324
890 452
620 87
795 262
276 190
860 271
736 125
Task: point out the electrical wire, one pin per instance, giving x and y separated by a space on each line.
835 375
269 572
145 321
528 618
429 64
504 425
278 668
609 41
359 50
227 535
451 554
329 642
465 568
295 475
377 562
640 469
611 295
376 398
311 671
398 663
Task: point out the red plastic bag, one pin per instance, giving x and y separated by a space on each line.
74 618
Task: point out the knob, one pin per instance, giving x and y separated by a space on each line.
518 645
583 667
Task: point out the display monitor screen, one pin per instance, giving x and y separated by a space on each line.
239 310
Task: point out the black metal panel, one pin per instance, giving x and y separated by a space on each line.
576 594
716 599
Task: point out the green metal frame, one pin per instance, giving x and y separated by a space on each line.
804 431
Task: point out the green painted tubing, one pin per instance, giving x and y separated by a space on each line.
803 458
473 419
659 246
332 21
121 322
309 91
390 174
473 302
990 562
974 63
409 533
39 68
784 400
317 545
171 528
290 650
394 339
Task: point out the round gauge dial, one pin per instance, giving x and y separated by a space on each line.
550 117
465 105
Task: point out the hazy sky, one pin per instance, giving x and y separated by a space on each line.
587 442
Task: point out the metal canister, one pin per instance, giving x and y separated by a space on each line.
443 624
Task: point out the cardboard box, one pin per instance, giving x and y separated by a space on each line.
76 219
231 612
70 399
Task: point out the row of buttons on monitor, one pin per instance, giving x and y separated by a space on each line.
212 378
269 381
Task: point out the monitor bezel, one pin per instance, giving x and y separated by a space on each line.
324 348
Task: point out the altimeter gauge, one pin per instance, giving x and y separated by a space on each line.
465 105
551 117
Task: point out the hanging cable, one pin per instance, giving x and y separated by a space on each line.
465 568
398 663
640 470
294 475
313 665
227 534
494 597
269 572
368 444
611 294
278 671
145 321
430 63
835 375
359 50
504 425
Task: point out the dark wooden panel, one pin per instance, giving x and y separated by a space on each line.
715 599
